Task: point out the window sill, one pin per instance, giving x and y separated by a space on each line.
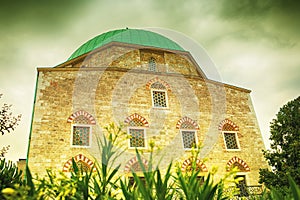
82 147
230 150
133 148
161 108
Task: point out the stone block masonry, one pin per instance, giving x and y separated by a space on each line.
114 85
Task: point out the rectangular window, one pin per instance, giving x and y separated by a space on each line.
231 142
132 182
159 99
200 179
137 137
189 139
242 186
81 135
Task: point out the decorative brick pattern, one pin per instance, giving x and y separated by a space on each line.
233 162
91 119
158 86
138 117
79 158
228 125
156 79
81 120
187 164
187 123
133 164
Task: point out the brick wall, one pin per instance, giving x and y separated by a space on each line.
114 84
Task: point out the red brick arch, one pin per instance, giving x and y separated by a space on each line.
156 79
87 115
199 164
67 166
138 117
187 120
228 125
134 161
234 160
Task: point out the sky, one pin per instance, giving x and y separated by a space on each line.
253 44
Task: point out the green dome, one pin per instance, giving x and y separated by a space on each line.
129 36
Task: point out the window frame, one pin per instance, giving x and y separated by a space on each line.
200 178
236 139
145 137
90 135
189 130
151 63
246 180
133 183
166 98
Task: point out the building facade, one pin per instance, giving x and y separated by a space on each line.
159 93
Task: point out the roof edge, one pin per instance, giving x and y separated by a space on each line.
49 69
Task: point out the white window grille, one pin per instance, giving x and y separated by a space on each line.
137 137
231 140
152 65
189 139
81 135
159 95
137 134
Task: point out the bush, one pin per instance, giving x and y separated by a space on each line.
103 182
9 175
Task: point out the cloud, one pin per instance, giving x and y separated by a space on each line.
37 14
254 43
272 20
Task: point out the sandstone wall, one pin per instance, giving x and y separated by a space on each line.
113 86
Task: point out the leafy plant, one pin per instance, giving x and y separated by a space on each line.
284 156
102 181
151 185
8 122
9 175
292 193
105 179
190 186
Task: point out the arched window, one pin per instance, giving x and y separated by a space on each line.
239 163
134 165
229 131
243 168
81 133
159 90
83 163
187 165
188 129
152 65
137 131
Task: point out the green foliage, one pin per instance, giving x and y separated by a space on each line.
8 122
151 184
9 175
102 181
105 179
284 156
190 186
292 193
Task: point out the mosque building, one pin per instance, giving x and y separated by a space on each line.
160 95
